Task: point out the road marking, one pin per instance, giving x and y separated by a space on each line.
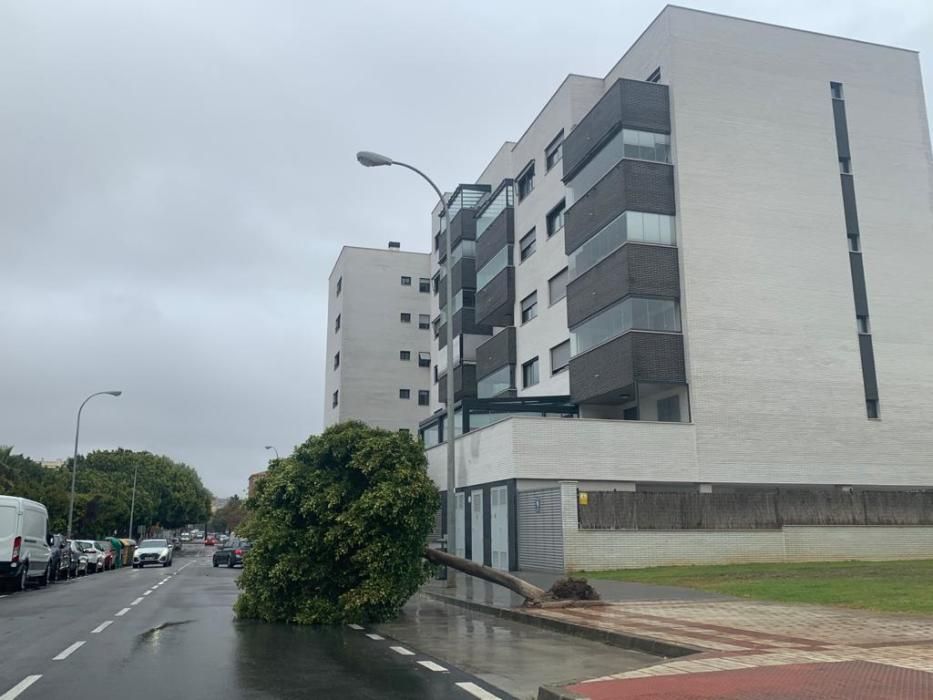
101 627
355 627
7 596
375 636
20 687
123 612
402 650
68 652
137 601
146 593
477 692
431 666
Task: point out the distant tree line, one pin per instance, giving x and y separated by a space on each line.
228 517
169 494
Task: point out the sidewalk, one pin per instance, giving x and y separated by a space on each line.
740 646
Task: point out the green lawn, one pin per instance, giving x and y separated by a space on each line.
890 586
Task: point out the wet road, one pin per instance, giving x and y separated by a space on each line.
170 633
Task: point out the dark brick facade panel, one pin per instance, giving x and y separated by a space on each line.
605 371
463 226
465 323
635 268
464 274
464 384
496 352
646 106
869 377
634 185
495 303
848 203
858 284
501 232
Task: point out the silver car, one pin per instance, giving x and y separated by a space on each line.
152 552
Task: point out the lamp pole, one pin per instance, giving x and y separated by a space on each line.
271 447
74 463
370 160
133 501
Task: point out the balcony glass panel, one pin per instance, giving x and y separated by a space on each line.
628 226
502 201
466 197
499 262
628 143
465 297
628 314
494 384
464 249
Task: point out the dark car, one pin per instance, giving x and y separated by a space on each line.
231 554
60 559
78 563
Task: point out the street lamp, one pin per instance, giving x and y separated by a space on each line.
270 447
372 160
74 463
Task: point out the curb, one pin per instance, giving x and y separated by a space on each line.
546 692
654 647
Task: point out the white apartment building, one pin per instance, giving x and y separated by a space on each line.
701 325
377 367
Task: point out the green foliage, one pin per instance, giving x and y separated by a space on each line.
228 517
338 529
168 493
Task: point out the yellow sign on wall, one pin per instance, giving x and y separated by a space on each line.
583 498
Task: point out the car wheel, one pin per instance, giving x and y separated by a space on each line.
21 583
216 564
47 576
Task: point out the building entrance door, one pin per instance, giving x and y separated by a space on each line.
499 526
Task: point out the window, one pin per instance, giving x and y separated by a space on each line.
424 321
437 242
424 397
855 245
871 406
424 359
530 307
335 399
339 286
530 373
555 151
497 264
836 90
435 374
424 285
436 324
526 181
628 314
864 326
527 245
845 166
646 145
627 143
555 219
465 297
560 357
503 379
628 226
406 281
336 360
404 317
557 286
655 76
404 355
669 409
337 323
464 249
404 393
436 282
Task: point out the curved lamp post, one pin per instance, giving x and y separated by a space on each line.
271 447
372 160
74 463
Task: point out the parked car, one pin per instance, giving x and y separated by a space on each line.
78 559
60 558
106 547
152 552
24 543
209 541
231 554
94 558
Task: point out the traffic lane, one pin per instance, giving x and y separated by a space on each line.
37 623
182 640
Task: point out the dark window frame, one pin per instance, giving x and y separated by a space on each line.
339 286
550 292
554 216
404 317
335 399
337 324
532 308
525 182
555 147
424 285
424 361
424 397
424 321
532 235
337 359
404 355
534 364
404 394
564 367
406 281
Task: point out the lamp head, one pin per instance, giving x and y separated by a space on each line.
113 393
269 447
371 160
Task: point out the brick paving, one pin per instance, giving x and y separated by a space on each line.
739 641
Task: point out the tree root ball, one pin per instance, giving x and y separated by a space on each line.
571 588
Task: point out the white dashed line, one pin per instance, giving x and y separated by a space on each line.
355 627
101 627
68 652
477 692
376 637
123 612
431 666
7 596
15 691
137 601
146 593
402 650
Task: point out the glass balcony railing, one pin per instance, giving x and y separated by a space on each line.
630 314
497 264
628 226
496 206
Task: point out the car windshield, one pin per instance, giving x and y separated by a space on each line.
153 544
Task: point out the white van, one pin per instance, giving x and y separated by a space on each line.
24 543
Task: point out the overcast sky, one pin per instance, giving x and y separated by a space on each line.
177 178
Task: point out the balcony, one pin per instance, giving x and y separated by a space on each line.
492 357
495 302
632 104
464 324
464 383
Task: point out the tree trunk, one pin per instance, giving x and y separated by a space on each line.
532 594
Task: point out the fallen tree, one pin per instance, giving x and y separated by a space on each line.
531 593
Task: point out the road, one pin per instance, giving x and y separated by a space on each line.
169 633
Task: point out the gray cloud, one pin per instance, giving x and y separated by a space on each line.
176 179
